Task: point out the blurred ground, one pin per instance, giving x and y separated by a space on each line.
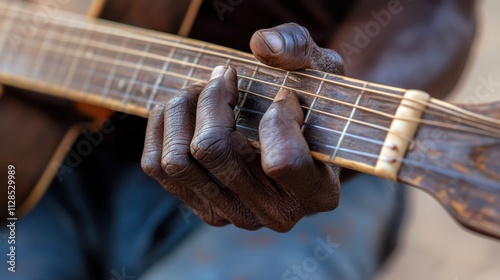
434 247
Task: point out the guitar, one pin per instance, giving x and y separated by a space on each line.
451 151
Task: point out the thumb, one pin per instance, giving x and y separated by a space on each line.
290 46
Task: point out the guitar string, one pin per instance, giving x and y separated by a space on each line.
344 118
377 112
331 130
404 159
128 64
473 117
324 145
102 58
447 108
435 123
319 111
118 95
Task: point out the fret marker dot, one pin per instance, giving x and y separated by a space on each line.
89 54
121 84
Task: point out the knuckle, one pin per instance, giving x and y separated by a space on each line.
150 167
330 190
280 223
245 224
327 60
178 103
212 219
209 147
176 165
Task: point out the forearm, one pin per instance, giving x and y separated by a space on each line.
418 44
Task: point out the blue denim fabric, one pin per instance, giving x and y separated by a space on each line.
347 243
107 220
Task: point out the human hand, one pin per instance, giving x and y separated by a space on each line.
193 151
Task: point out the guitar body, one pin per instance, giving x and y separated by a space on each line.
38 132
35 139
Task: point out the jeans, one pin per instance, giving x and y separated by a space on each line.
108 220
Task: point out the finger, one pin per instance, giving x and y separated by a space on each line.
179 164
151 164
217 147
287 159
290 47
153 144
215 119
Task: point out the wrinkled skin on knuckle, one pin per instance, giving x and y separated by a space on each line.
284 215
211 218
243 222
210 147
176 165
328 61
176 106
149 167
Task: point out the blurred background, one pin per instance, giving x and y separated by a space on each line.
433 246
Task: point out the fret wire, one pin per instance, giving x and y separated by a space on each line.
42 53
89 54
195 62
342 136
313 103
160 79
112 73
355 152
349 151
284 81
140 64
52 72
354 136
4 36
245 94
337 116
75 60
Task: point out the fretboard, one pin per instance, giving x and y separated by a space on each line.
131 70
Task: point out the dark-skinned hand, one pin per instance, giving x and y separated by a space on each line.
194 152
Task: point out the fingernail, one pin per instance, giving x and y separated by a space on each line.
273 40
282 94
218 72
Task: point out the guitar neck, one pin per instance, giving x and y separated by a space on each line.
348 122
